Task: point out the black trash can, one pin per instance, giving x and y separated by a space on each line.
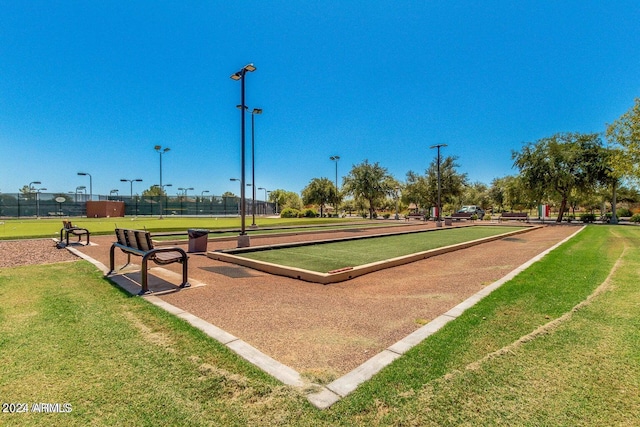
198 240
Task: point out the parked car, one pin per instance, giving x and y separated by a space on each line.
474 210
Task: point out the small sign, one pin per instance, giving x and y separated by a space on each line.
60 199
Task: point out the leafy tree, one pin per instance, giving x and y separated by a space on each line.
624 135
423 189
154 191
285 199
228 194
476 194
553 167
369 182
319 191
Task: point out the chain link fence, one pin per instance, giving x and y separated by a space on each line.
18 205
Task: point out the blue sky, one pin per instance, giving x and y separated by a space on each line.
93 86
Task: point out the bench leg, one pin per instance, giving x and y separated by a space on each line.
185 279
144 277
111 260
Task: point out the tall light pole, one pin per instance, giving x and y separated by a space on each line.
243 239
161 151
38 190
265 198
253 160
335 202
131 181
201 198
438 222
90 183
397 201
162 194
80 187
238 180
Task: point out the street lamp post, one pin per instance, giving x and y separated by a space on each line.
131 181
201 198
243 239
115 190
265 198
90 183
397 200
335 202
161 151
238 180
162 193
80 187
253 161
38 190
438 222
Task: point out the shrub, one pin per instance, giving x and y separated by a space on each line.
487 217
635 218
623 212
387 215
289 213
587 217
310 213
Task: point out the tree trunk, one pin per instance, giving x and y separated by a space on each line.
563 206
614 197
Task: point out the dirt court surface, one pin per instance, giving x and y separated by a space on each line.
325 331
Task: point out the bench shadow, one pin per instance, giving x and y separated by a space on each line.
232 272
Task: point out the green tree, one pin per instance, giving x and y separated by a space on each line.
154 191
285 199
423 189
370 183
319 191
477 194
624 135
553 167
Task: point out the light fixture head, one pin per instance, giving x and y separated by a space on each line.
82 173
157 148
250 67
236 76
257 111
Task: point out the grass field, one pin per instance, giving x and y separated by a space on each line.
332 256
45 227
68 336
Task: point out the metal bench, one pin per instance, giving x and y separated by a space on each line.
462 215
69 228
517 216
138 243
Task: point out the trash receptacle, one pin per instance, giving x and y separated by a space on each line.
198 240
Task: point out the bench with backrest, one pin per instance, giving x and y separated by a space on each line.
517 216
462 215
138 243
69 228
415 215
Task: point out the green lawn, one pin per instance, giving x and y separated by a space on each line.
332 256
45 227
68 336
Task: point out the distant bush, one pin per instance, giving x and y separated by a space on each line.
487 217
587 217
289 213
623 212
310 213
635 218
387 215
